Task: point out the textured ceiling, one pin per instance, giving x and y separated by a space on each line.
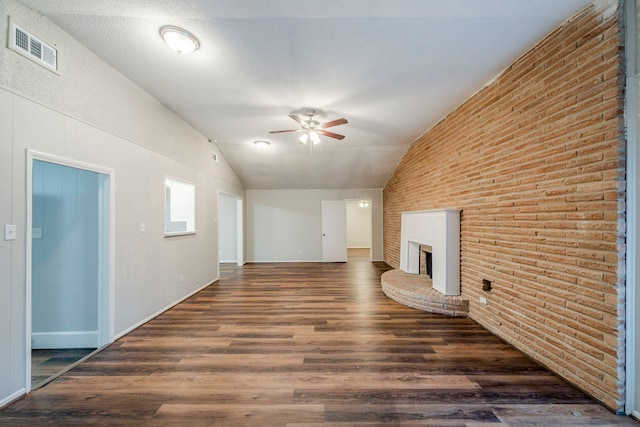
392 68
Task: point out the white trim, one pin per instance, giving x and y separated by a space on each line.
106 309
27 274
12 397
162 310
240 231
67 339
292 261
65 161
631 119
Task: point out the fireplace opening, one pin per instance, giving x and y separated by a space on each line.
425 260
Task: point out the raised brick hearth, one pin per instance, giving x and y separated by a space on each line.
414 290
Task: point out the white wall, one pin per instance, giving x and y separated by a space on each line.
10 343
92 113
227 228
358 225
286 225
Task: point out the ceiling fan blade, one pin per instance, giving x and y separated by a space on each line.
335 122
329 134
298 119
288 130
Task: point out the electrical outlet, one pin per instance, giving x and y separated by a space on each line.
483 300
181 278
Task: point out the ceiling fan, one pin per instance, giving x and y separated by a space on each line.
313 128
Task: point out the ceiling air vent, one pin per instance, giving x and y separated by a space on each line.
29 46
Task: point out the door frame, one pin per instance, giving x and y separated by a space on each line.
239 228
106 249
633 233
366 199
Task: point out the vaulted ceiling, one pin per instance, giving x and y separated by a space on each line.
392 68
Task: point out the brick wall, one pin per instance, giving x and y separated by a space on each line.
536 162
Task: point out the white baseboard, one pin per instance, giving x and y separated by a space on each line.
67 339
282 261
12 397
159 312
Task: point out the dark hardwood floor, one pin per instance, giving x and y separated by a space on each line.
48 363
304 345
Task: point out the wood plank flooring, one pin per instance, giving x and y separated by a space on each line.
47 363
306 345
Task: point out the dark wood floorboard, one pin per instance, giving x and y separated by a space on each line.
46 363
305 345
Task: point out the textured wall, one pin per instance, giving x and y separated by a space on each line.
92 113
536 162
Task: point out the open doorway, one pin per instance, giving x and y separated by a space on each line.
68 267
230 229
359 230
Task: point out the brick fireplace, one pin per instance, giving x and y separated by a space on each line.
430 243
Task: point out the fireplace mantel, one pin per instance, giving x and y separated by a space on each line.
439 229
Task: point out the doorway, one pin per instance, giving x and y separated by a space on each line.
359 231
69 250
230 229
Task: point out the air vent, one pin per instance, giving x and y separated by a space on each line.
29 46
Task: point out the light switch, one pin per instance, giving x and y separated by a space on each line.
10 232
36 233
142 227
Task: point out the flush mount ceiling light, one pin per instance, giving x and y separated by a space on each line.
262 144
179 39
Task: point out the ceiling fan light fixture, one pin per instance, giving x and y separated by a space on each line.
312 129
314 137
179 39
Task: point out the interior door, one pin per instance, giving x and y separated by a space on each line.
334 231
